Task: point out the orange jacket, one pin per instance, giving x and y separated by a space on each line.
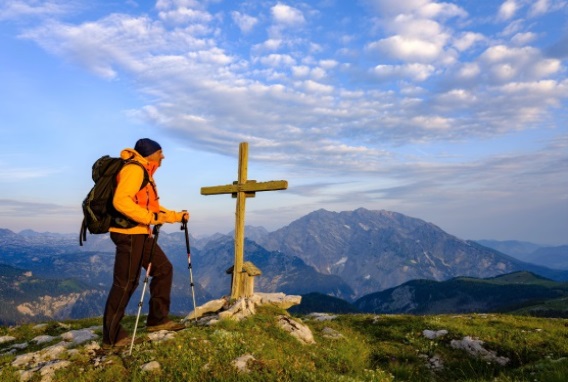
140 205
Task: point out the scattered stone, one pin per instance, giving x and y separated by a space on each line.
47 372
9 352
92 347
241 363
26 375
39 327
5 339
432 335
33 359
77 337
474 347
161 335
208 320
277 299
43 339
64 326
435 363
23 359
331 333
299 331
21 346
209 307
321 316
151 366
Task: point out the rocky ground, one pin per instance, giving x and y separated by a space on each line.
50 353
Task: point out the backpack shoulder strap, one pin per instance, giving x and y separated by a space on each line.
146 175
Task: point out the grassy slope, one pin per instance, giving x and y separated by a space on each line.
372 348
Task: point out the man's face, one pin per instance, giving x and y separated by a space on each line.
156 157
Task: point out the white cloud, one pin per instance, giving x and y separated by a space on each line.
507 10
285 15
174 4
275 60
464 98
523 38
214 56
440 10
408 48
415 32
422 8
245 22
301 71
467 40
328 64
181 16
415 72
10 208
468 71
536 89
409 25
434 122
16 9
271 44
315 87
287 97
508 64
539 7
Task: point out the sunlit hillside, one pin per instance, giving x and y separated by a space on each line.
359 347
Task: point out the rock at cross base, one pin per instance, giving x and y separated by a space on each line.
215 310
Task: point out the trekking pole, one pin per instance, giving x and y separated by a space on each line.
156 232
189 266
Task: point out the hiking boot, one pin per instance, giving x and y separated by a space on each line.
168 325
122 343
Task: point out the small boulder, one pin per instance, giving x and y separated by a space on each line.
241 363
299 331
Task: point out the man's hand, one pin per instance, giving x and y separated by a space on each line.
184 216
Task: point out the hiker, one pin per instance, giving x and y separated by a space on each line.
133 245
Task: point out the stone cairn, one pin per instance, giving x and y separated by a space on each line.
214 311
223 308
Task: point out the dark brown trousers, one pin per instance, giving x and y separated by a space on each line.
133 254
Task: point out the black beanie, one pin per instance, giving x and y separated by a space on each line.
146 147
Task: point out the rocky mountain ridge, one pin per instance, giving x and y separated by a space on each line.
347 254
376 250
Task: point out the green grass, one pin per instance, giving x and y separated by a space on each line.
372 348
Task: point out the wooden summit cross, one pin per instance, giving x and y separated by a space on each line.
242 189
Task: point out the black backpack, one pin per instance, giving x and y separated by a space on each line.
99 213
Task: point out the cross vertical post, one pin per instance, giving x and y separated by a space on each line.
242 189
240 221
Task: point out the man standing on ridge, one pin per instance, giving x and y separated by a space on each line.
133 245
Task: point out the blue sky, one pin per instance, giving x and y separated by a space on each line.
452 112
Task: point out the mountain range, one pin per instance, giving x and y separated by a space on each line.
347 255
377 250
